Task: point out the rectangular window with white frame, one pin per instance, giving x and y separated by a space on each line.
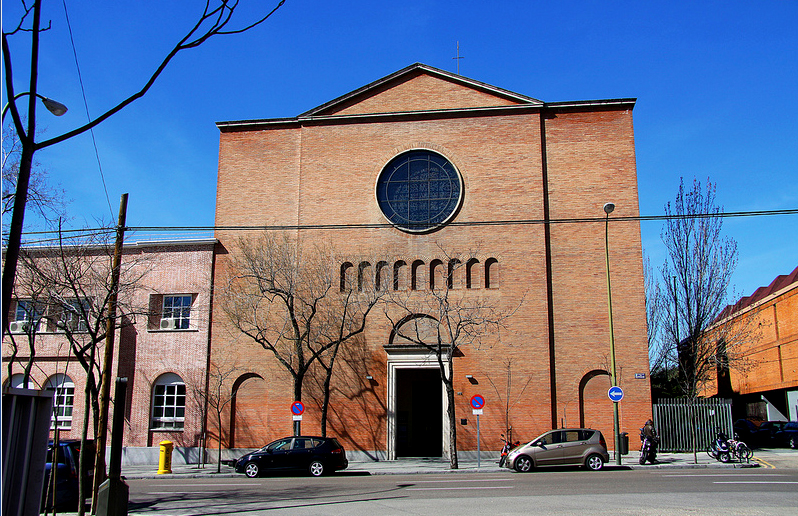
176 312
74 316
26 313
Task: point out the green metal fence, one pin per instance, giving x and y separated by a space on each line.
672 419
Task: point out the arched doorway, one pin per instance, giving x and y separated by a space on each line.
246 411
595 408
416 401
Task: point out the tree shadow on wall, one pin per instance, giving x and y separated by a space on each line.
356 402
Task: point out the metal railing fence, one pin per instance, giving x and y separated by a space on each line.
672 421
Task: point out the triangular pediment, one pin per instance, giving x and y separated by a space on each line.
420 88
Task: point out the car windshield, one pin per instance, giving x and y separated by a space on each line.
61 459
790 426
282 444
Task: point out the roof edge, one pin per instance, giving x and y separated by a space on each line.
431 70
580 104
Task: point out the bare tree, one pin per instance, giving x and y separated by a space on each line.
445 319
46 199
218 394
289 300
215 20
508 398
340 320
696 278
76 285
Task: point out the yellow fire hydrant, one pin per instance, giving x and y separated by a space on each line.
165 460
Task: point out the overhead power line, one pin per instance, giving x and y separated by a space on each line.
294 227
511 222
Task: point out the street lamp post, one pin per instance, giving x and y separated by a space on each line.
53 106
608 208
21 195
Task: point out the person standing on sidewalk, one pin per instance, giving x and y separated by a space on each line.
648 450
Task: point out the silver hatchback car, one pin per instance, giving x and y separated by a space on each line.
562 447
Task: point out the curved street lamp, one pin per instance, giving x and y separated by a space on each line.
609 208
53 106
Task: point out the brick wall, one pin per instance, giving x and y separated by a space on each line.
142 351
324 172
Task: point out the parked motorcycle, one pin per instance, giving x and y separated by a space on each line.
719 448
648 448
506 447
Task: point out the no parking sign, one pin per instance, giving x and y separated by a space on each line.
297 409
477 402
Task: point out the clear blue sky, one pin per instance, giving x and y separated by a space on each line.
716 85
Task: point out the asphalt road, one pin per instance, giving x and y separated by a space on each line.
649 492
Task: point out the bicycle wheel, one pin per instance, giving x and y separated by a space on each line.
711 451
744 452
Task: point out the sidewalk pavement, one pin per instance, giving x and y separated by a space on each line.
773 458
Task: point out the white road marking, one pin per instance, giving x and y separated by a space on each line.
461 481
457 488
724 474
753 482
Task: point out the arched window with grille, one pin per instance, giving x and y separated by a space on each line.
63 400
168 403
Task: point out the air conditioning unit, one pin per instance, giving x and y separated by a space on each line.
18 326
168 324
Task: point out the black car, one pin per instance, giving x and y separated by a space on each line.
787 436
767 432
747 431
316 455
67 460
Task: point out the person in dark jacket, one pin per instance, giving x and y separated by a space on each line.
649 433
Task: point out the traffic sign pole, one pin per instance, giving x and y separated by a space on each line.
297 409
477 402
478 441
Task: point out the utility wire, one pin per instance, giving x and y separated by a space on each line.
294 227
86 105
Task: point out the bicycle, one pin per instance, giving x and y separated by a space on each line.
739 449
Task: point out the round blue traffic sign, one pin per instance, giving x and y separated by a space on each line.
477 401
297 408
615 393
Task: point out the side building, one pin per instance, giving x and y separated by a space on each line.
161 342
767 388
399 177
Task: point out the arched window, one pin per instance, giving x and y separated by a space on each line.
472 273
491 273
400 275
454 265
346 281
168 402
381 279
417 275
63 400
17 381
436 274
363 276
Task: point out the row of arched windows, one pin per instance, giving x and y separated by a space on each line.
420 275
168 400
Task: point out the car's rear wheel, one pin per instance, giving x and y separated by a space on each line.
594 462
523 464
316 468
251 470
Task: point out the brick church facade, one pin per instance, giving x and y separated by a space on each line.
415 167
